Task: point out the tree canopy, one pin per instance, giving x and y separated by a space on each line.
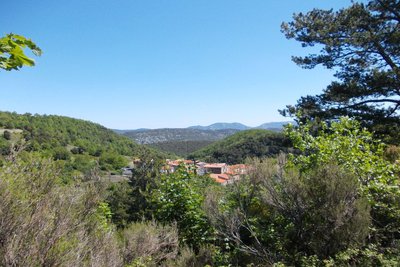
362 44
236 148
12 55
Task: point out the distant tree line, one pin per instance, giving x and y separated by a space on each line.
181 148
245 144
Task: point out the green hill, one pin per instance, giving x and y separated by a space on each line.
50 131
80 144
181 148
250 143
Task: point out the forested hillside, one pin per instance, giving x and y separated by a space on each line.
181 148
250 143
50 131
80 146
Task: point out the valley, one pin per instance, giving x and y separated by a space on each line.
184 141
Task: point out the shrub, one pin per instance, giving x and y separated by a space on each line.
61 153
7 135
47 224
178 199
275 213
149 243
354 148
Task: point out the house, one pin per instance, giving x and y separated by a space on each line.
221 178
238 169
216 168
173 165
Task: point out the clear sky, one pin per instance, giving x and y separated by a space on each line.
130 64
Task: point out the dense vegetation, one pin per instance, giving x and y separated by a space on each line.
181 148
50 131
47 223
79 145
337 203
250 143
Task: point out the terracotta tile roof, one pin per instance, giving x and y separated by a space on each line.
221 181
238 166
237 169
220 178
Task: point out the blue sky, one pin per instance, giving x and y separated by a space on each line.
159 63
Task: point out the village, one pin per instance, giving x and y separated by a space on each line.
222 173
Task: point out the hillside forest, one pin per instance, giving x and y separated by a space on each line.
325 191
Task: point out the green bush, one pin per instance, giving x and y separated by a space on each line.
149 243
7 135
45 223
112 162
61 153
178 199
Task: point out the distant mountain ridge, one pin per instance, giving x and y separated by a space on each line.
182 141
274 125
278 125
177 134
217 126
222 126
